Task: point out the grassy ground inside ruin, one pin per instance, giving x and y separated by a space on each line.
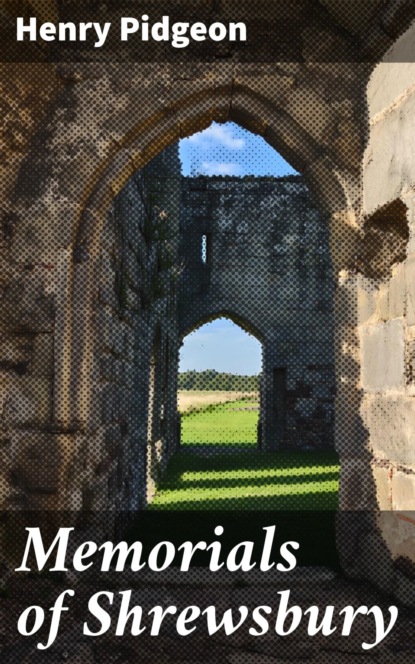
219 477
244 480
244 491
224 424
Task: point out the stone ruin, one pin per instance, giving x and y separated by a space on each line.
83 294
267 267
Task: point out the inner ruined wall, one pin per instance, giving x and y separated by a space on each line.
137 323
268 268
268 262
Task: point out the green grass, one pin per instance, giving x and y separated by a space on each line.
244 489
222 424
250 481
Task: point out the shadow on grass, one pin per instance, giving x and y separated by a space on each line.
289 481
223 483
224 444
218 459
326 499
246 491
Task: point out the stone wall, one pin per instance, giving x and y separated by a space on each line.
387 321
267 267
136 319
381 293
75 133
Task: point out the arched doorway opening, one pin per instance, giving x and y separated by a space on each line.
179 251
217 465
99 407
219 386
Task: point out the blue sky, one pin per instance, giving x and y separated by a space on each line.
223 346
226 149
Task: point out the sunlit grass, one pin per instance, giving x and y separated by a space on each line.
213 495
253 481
233 423
254 474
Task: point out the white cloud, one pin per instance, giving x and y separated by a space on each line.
217 134
219 168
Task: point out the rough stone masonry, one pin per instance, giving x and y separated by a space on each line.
266 265
340 109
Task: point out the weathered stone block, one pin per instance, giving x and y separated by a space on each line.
382 487
389 421
410 290
408 198
38 463
29 402
356 487
366 299
27 302
117 336
104 328
312 113
383 356
346 298
382 302
113 438
397 293
106 367
107 295
392 78
403 491
16 352
43 360
388 168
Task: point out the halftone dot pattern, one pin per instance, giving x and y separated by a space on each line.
111 257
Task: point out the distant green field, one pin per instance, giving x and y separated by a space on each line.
229 423
250 481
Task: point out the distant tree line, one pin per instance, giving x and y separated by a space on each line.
213 381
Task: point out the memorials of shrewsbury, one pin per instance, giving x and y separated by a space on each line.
102 273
